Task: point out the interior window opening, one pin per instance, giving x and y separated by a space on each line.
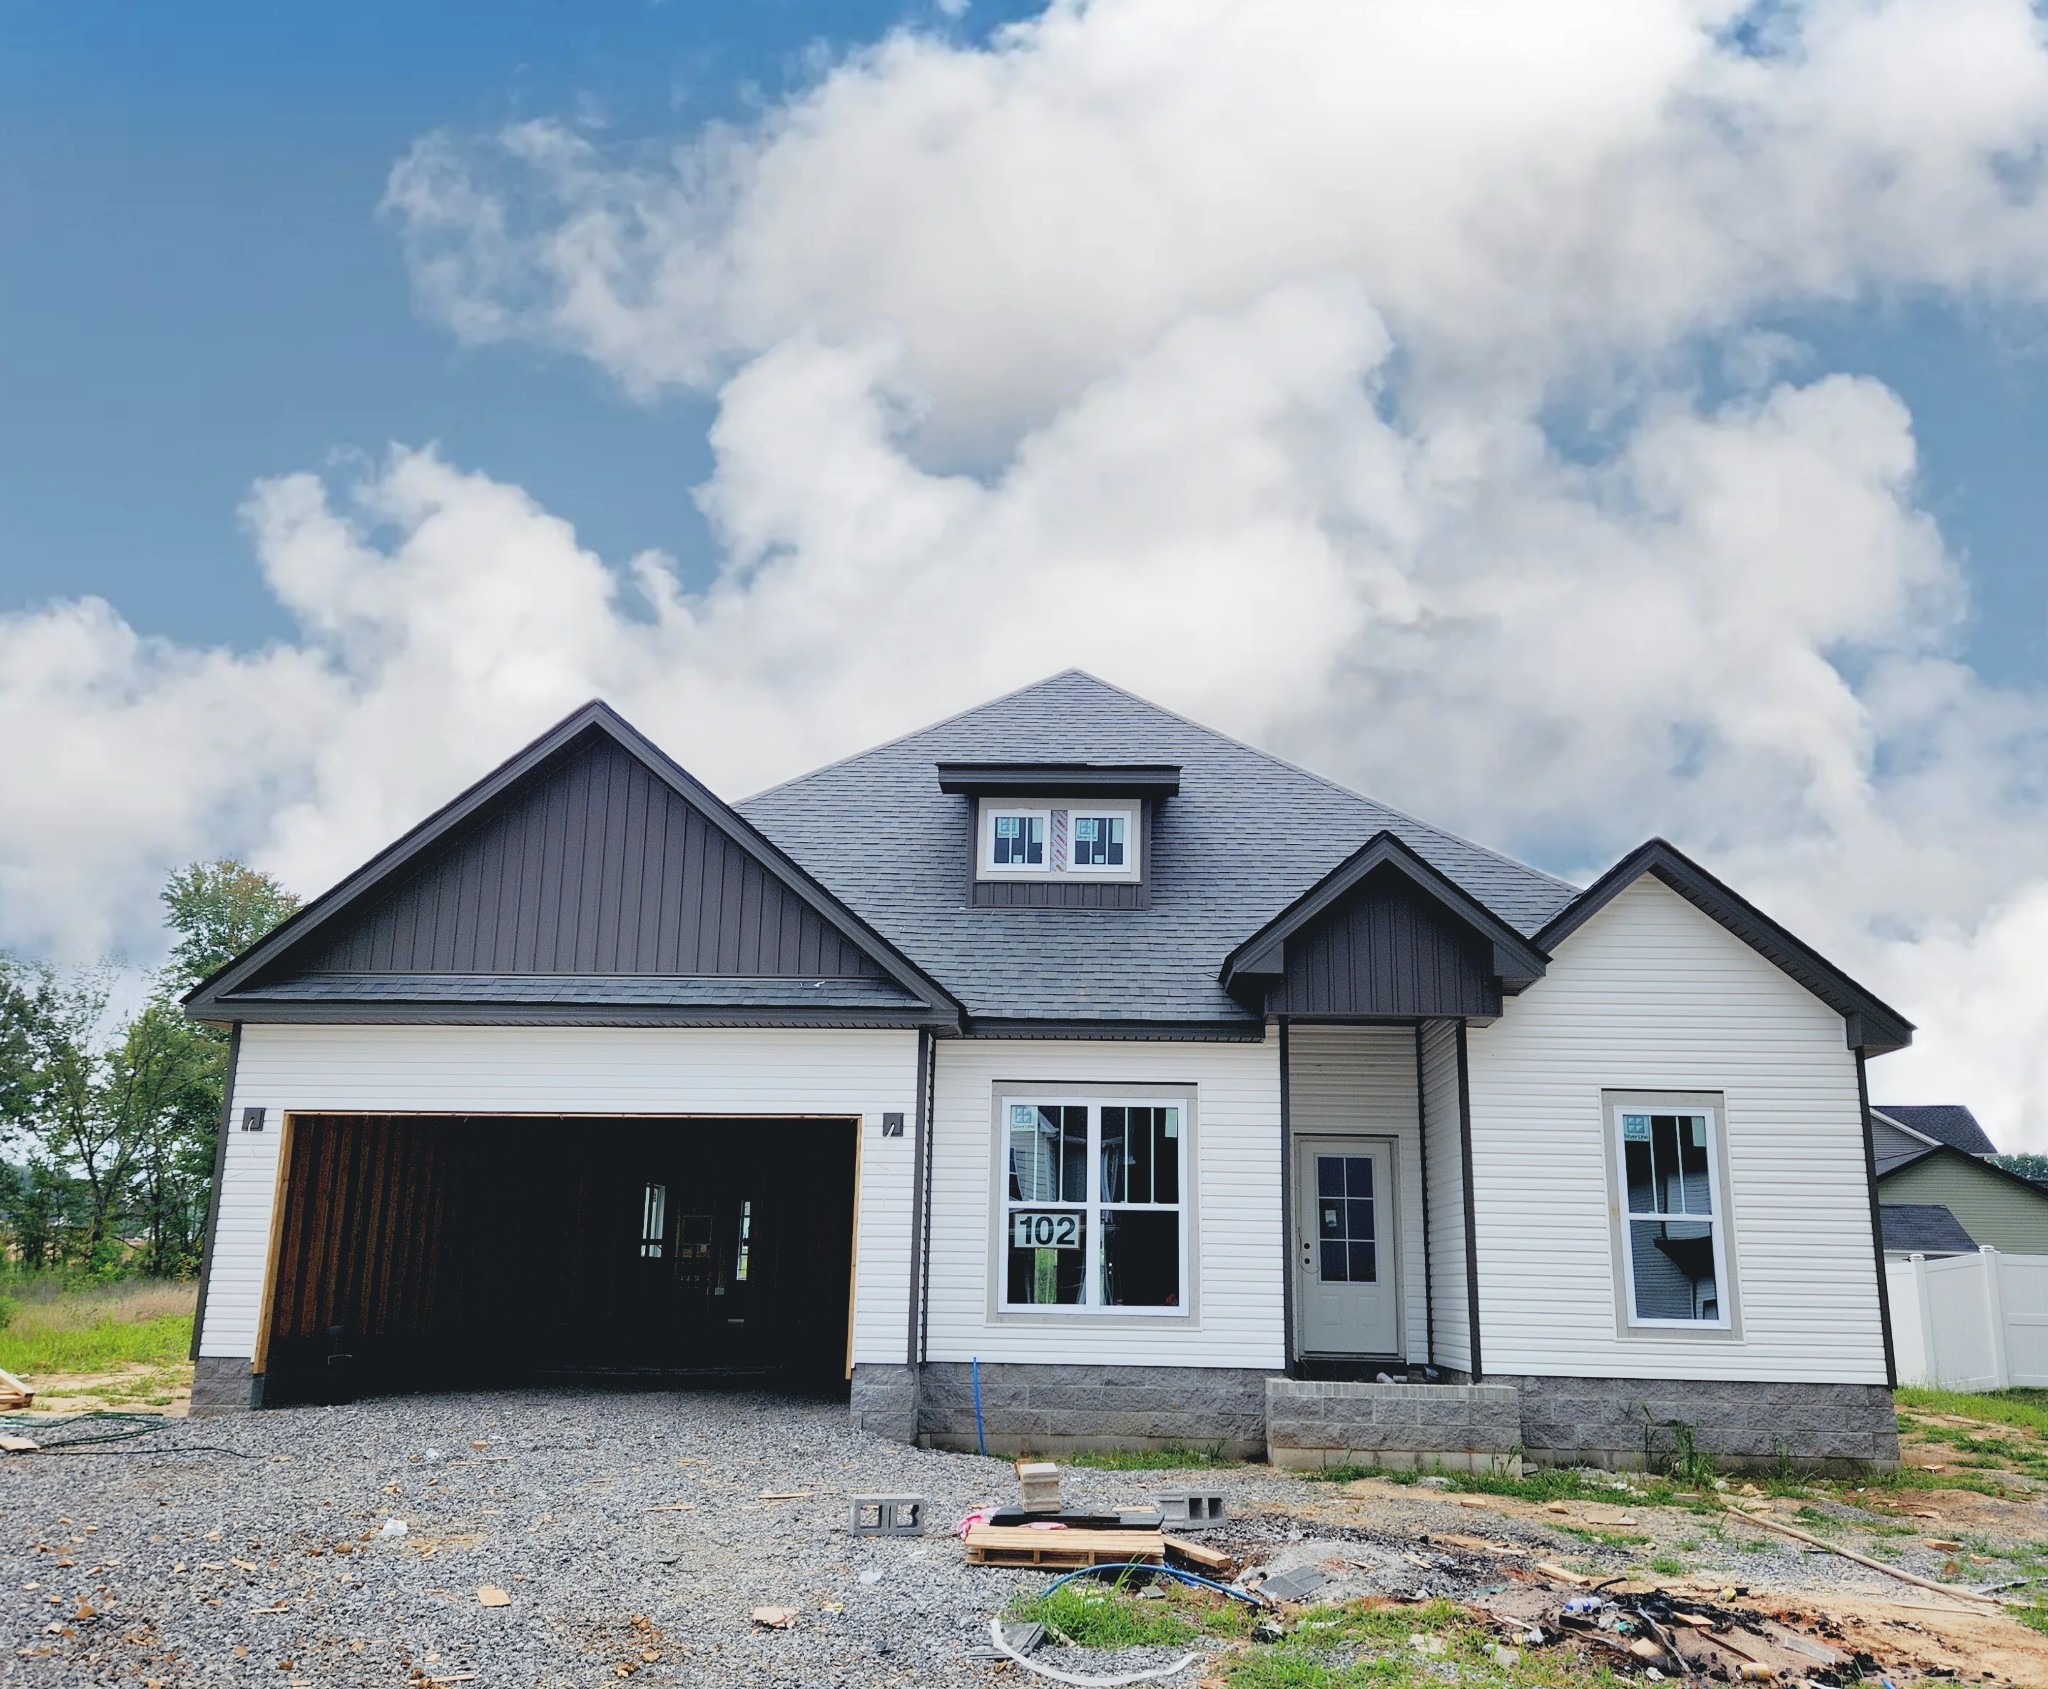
1093 1214
653 1222
1673 1244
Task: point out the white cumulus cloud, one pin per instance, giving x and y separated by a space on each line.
1392 382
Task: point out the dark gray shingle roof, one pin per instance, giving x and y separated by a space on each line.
1247 834
1948 1123
1895 1149
1924 1228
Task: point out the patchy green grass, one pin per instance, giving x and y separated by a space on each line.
1176 1458
61 1326
1372 1647
1096 1613
1545 1483
1604 1539
1667 1565
2025 1408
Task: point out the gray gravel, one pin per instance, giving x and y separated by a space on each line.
625 1526
180 1554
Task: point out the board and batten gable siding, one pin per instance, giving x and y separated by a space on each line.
1444 1161
595 866
1653 995
579 1071
1238 1262
1992 1210
1362 1079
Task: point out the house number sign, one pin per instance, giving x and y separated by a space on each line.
1045 1231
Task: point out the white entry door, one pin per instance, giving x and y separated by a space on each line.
1346 1295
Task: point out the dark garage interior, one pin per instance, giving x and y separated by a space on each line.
463 1251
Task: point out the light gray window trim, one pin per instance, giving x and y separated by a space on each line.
1184 1318
1729 1288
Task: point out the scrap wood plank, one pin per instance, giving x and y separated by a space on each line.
1198 1556
1021 1545
14 1393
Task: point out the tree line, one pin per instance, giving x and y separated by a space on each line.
109 1116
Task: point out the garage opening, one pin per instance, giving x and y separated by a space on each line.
441 1252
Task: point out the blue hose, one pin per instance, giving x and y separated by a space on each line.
1154 1567
980 1441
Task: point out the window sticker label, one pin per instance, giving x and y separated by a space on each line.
1007 825
1045 1231
1699 1131
1170 1122
1635 1128
1084 828
1023 1116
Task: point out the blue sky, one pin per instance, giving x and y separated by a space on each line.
198 291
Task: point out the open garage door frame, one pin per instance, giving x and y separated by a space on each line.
423 1249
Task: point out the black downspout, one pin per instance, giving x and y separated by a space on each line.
1422 1154
1288 1363
220 1162
1884 1289
910 1342
1471 1225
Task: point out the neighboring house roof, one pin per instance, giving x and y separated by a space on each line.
1894 1148
1961 1158
1246 835
1872 1024
1923 1228
588 879
1944 1123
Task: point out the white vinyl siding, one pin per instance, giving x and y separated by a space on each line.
1236 1257
1361 1079
1653 995
723 1072
1450 1303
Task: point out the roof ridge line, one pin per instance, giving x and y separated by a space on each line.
1336 786
915 732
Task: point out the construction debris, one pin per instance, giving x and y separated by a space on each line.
1295 1584
1054 1544
888 1515
1954 1591
490 1595
774 1618
14 1393
1187 1510
1038 1485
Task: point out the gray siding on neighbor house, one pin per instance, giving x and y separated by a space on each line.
596 866
1382 953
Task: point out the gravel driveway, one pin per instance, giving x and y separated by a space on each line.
627 1529
633 1535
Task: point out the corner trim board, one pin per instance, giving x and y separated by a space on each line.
1471 1223
220 1165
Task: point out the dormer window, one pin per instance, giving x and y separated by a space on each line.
1087 838
1015 840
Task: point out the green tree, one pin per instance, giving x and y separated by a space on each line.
217 910
2026 1166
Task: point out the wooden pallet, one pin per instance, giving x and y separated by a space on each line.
1020 1545
14 1393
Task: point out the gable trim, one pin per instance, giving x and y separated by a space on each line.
1517 961
1869 1023
214 998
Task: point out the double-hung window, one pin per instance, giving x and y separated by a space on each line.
1673 1246
1093 1211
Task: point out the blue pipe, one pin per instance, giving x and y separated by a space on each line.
980 1441
1159 1570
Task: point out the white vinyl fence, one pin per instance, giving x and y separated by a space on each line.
1970 1322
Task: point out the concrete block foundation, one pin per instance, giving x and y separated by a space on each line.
1402 1427
224 1385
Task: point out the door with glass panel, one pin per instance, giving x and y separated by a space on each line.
1346 1297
